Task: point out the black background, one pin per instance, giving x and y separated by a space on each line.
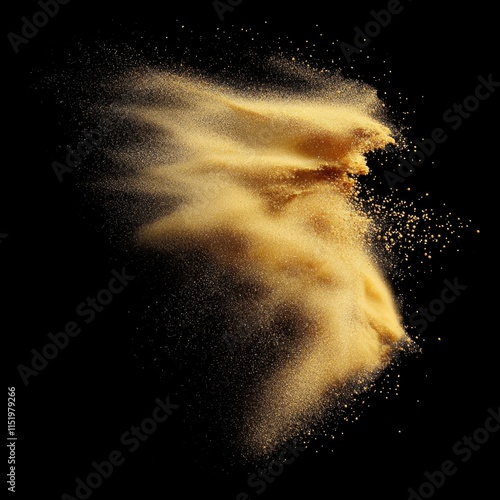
57 253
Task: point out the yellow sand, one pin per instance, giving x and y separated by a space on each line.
263 182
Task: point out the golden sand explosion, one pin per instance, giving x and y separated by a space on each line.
264 183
